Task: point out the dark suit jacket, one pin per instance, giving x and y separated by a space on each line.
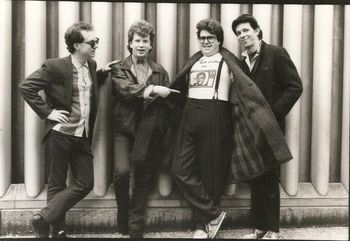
254 116
277 78
55 78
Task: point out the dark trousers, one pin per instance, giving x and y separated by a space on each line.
121 176
61 151
202 155
131 213
265 201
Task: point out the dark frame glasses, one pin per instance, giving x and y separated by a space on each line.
93 43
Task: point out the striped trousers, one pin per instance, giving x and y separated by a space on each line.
202 155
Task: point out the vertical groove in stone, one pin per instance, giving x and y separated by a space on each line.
277 24
337 93
17 75
51 29
85 12
118 44
151 17
183 39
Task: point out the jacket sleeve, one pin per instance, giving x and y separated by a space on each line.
291 86
29 88
124 86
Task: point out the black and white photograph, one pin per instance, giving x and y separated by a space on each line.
174 119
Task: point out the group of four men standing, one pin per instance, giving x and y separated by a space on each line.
219 121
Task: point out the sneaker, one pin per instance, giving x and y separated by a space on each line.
255 235
271 235
200 234
214 225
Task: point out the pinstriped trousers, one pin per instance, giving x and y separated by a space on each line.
202 154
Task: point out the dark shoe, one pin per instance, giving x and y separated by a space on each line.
214 225
135 233
59 234
40 227
122 229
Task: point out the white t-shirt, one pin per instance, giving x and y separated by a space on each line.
203 77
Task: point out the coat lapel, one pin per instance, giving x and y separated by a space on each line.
68 73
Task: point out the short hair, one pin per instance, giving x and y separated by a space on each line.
213 27
247 18
73 34
142 28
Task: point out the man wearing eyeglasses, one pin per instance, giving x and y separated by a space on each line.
223 122
69 109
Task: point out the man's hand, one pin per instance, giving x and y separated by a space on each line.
162 91
59 115
108 68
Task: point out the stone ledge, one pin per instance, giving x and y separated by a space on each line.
16 198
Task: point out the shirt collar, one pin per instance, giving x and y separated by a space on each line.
245 52
135 60
77 64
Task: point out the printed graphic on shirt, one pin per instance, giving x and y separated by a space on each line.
203 73
203 78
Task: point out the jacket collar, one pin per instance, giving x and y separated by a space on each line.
127 64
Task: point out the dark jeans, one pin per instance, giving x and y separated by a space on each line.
121 176
144 180
265 201
202 155
63 150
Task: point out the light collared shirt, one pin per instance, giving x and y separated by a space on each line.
81 101
251 63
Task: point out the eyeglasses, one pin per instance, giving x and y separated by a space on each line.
92 43
210 39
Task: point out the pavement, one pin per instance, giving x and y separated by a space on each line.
306 233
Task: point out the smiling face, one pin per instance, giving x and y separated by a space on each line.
87 49
247 36
140 46
209 43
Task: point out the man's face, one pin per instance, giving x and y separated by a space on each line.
87 49
140 46
209 43
246 35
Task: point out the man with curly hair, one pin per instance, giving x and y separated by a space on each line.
139 87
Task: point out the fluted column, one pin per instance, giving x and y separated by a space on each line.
34 162
68 13
262 13
292 32
166 51
306 73
102 141
228 13
321 109
197 13
344 167
182 34
5 96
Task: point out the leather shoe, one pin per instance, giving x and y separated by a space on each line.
40 227
59 234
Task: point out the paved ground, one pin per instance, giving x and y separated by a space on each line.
309 233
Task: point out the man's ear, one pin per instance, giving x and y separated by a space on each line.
76 46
